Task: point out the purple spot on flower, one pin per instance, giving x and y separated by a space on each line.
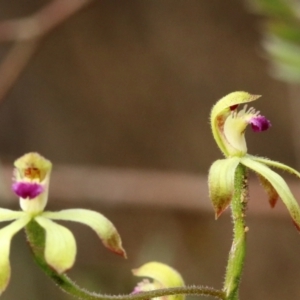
142 286
136 290
27 190
260 123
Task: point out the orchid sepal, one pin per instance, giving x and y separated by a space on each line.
269 189
275 164
279 184
105 230
221 183
60 245
6 234
221 179
8 214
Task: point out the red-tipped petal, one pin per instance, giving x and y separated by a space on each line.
221 183
100 224
273 195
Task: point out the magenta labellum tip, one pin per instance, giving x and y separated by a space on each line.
260 123
27 190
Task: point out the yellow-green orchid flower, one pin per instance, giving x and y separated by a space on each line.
228 127
31 184
163 276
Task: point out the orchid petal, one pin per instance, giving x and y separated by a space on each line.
278 184
6 235
221 111
221 183
276 164
273 195
8 214
60 247
163 275
100 224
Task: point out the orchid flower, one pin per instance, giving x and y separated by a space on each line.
228 127
162 275
31 184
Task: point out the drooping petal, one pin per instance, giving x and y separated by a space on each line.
221 111
276 164
8 214
100 224
163 277
60 247
221 183
6 235
278 184
273 195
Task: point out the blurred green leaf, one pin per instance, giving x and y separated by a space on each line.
273 8
281 36
285 72
283 51
287 31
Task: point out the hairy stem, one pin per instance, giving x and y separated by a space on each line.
238 248
36 238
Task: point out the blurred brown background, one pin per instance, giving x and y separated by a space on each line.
129 85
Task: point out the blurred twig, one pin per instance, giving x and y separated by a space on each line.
41 22
27 33
14 63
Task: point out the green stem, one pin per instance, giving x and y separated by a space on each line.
36 238
238 248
